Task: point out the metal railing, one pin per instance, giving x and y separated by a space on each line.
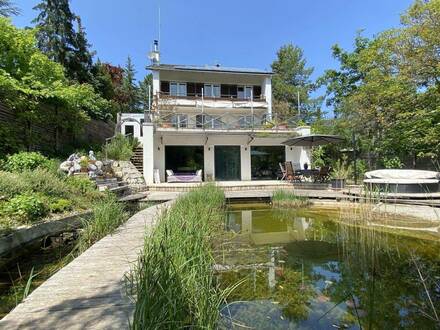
225 121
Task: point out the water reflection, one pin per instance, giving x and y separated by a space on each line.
299 269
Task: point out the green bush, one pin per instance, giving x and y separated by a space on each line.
120 148
25 207
81 184
47 183
12 184
60 205
393 162
23 161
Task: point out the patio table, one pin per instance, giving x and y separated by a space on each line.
310 174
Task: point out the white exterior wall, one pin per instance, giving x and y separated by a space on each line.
296 155
148 153
267 91
156 82
137 127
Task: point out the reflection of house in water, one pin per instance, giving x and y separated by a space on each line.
254 225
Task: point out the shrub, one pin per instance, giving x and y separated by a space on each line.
46 183
12 184
81 184
120 148
23 161
59 205
393 162
25 207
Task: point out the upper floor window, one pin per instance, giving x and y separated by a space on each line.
211 90
244 92
177 89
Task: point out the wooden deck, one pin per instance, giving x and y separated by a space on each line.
89 292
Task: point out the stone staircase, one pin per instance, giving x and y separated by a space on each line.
137 159
115 185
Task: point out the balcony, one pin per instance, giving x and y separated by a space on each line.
167 101
226 122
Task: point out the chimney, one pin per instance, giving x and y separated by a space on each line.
154 55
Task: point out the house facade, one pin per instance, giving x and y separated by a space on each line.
216 119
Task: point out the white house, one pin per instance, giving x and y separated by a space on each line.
214 118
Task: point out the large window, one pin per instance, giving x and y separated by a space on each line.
265 161
244 92
211 90
177 89
179 121
184 159
207 121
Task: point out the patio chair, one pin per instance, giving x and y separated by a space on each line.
323 175
283 171
291 175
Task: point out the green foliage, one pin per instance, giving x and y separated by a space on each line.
108 215
24 161
174 280
7 8
12 184
119 148
318 155
25 207
59 40
341 170
81 184
292 77
60 205
393 162
287 198
387 89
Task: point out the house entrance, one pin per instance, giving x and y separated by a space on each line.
227 163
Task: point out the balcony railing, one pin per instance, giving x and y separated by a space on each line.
225 121
222 97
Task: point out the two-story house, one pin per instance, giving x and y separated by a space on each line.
217 119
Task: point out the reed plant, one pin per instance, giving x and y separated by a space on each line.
288 199
107 215
173 282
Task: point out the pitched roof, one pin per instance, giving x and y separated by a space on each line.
207 68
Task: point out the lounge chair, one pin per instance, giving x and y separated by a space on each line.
184 178
291 175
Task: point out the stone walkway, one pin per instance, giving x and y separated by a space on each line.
89 292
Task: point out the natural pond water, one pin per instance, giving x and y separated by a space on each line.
301 269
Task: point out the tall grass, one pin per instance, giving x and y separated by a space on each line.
284 198
108 215
173 282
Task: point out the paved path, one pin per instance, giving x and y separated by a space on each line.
89 292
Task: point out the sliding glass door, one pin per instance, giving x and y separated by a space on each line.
227 163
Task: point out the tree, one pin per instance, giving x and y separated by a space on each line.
37 88
58 39
7 8
129 88
292 79
145 91
386 91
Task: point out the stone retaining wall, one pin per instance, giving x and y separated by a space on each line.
128 173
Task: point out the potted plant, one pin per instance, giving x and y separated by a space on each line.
84 163
340 173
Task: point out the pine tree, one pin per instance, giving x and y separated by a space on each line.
144 91
7 8
129 88
58 39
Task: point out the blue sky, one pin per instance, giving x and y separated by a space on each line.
244 33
